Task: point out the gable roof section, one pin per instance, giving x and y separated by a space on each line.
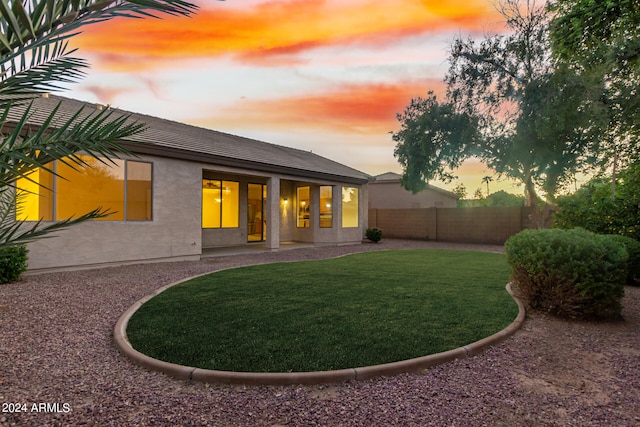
388 177
179 140
392 177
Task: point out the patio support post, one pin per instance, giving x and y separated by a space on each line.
273 213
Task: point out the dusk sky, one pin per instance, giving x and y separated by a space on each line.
322 75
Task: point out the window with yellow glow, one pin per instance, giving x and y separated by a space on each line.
138 191
122 187
220 204
349 207
326 206
35 196
85 188
303 206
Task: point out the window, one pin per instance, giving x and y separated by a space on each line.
138 191
35 196
303 206
220 204
326 206
88 187
349 207
122 187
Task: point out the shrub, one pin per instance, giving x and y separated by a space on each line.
632 247
593 208
569 273
13 262
374 234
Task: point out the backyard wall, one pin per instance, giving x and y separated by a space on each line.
490 225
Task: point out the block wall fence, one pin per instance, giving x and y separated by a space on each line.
488 225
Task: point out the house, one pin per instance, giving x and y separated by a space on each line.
386 192
186 189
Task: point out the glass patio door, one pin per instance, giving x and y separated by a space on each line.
256 213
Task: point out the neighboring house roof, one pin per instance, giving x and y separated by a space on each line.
392 177
388 176
178 140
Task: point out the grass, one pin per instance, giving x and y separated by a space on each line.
358 310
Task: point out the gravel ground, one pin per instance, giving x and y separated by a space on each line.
57 352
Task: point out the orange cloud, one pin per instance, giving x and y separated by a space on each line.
104 94
276 29
351 109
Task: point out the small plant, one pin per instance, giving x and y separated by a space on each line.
569 273
374 234
13 262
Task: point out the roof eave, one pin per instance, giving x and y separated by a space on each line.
175 153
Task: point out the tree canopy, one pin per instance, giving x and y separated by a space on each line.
529 116
601 41
593 208
593 33
433 140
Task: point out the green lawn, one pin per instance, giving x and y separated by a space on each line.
359 310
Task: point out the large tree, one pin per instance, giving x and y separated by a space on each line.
35 59
433 140
601 41
595 33
529 114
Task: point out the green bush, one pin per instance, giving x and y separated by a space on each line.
13 262
633 263
592 207
569 273
374 234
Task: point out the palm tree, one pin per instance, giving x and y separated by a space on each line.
486 180
34 60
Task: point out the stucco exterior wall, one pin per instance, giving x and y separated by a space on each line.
287 212
174 232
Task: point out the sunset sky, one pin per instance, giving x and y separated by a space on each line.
322 75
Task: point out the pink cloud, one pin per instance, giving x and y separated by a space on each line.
352 108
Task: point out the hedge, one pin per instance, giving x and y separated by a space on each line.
569 273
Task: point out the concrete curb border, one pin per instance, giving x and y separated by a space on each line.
307 378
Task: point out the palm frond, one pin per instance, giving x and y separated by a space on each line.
35 58
34 33
28 21
14 232
97 134
49 66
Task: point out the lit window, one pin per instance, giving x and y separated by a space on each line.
138 191
85 188
220 204
349 207
326 206
303 207
230 204
80 189
35 196
211 201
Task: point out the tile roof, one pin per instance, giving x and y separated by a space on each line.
173 139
